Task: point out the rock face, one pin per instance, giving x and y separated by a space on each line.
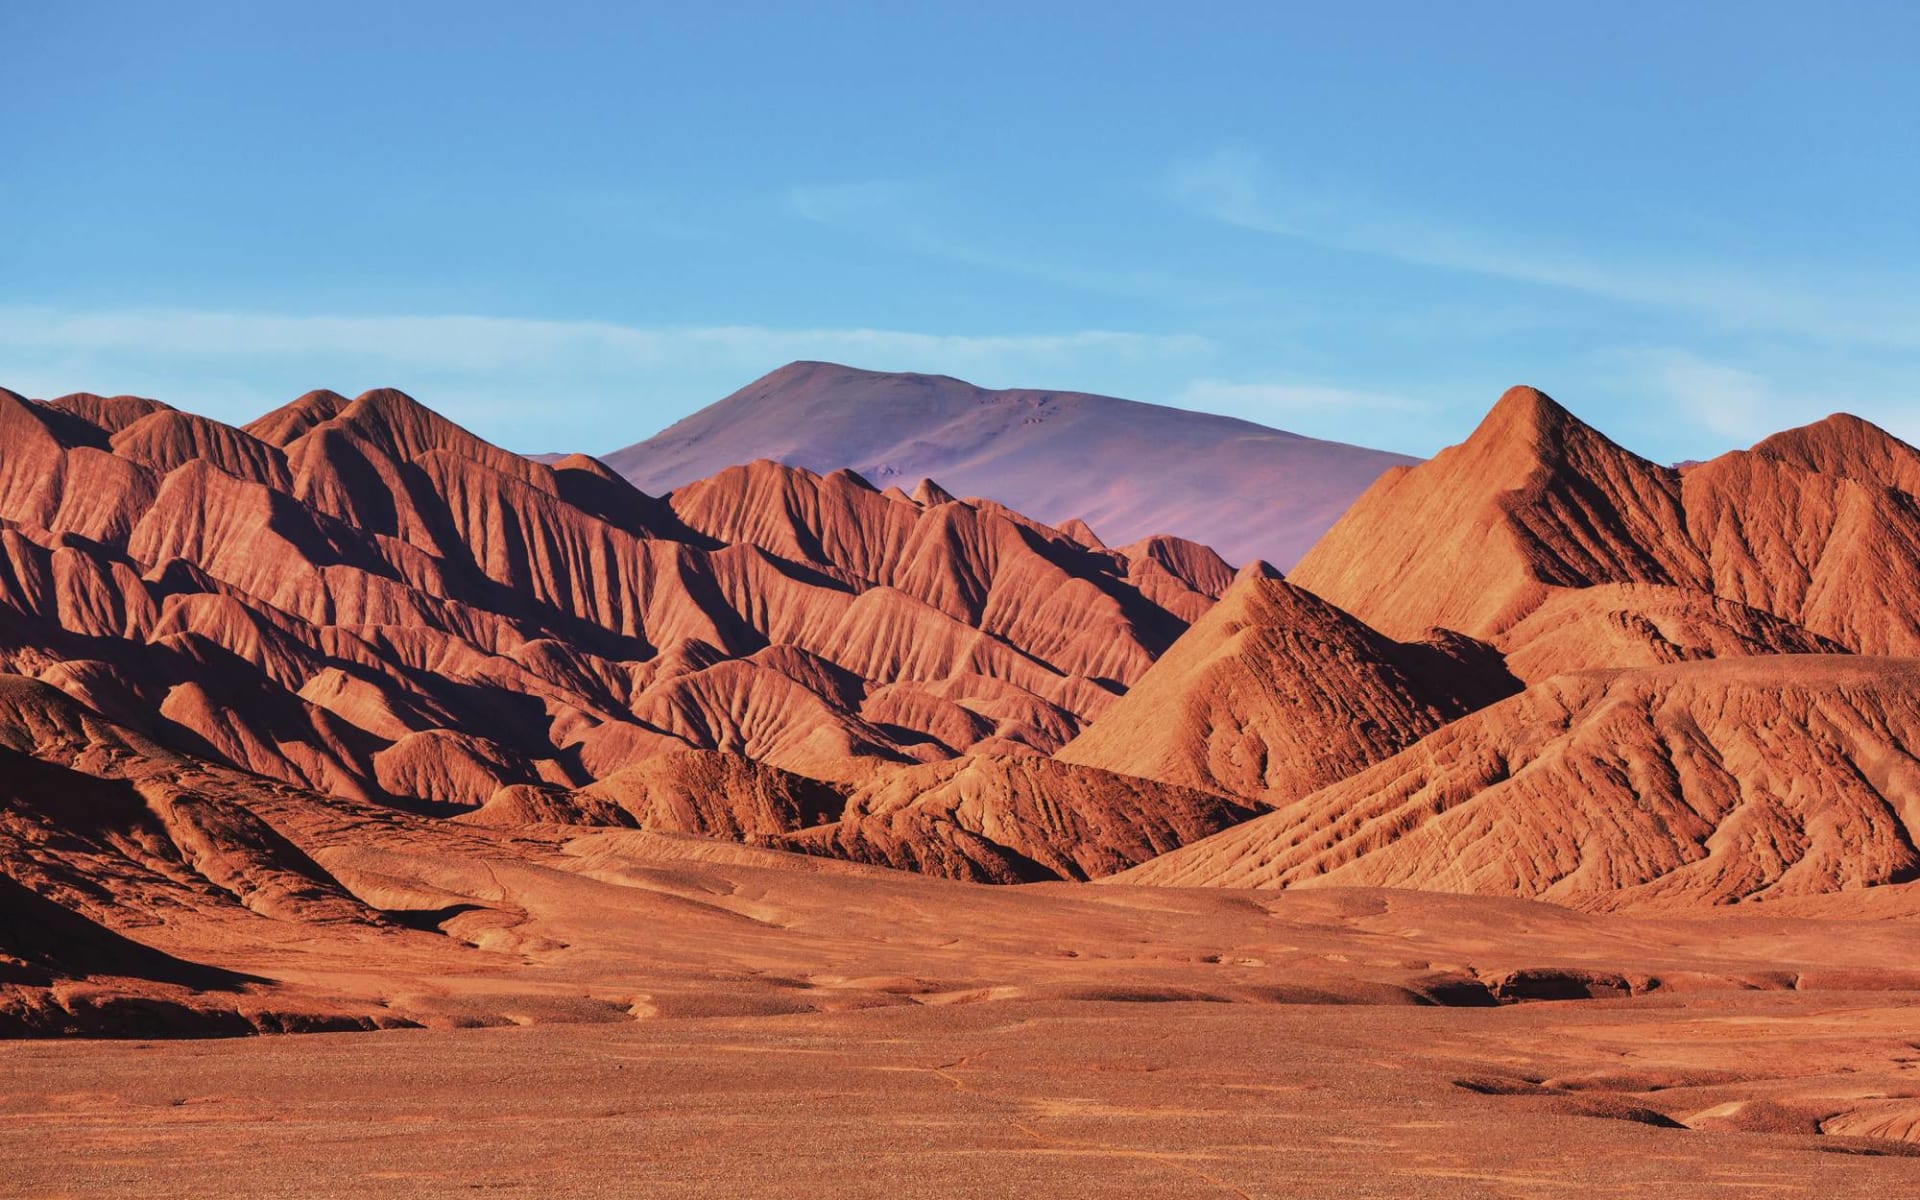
708 793
104 834
1111 469
1743 779
1803 543
1474 539
1636 768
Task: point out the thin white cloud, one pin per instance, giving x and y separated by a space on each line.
1734 403
1235 187
481 343
536 384
905 215
1742 405
846 203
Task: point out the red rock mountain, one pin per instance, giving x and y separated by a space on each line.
362 599
1126 470
1274 693
1537 523
1630 772
1710 782
222 648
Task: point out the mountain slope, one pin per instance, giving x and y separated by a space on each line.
1129 470
302 602
1701 783
1805 542
360 598
1472 539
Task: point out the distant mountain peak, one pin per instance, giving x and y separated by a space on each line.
1127 468
1258 569
294 418
1082 532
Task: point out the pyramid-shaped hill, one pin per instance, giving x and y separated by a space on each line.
1472 539
1274 692
1804 543
1125 469
1713 782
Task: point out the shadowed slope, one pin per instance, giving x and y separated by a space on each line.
41 941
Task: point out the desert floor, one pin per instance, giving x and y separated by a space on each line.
620 1014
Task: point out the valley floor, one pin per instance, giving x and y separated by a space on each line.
1055 1098
611 1013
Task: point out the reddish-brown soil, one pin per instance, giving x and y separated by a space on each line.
619 1011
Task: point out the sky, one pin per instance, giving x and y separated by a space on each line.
568 225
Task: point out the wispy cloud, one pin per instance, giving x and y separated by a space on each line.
857 203
525 382
1236 187
905 215
1741 405
1729 401
481 343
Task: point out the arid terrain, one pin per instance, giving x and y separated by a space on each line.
660 1012
386 813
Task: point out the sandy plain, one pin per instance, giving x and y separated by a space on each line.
623 1014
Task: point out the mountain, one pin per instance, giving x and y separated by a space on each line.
1473 539
1718 710
1701 783
1016 818
1538 525
360 598
347 720
1126 470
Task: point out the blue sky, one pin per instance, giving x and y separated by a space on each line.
568 225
